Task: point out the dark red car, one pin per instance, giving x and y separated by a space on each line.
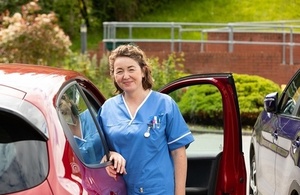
41 154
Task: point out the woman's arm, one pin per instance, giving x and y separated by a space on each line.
180 166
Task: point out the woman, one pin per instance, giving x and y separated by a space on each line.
145 127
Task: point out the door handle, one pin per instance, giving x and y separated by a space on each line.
275 135
295 145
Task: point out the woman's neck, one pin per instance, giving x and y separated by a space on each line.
136 97
133 101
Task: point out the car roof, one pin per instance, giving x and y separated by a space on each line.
31 78
22 85
35 81
28 91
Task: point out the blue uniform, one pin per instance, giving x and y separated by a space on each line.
89 145
149 165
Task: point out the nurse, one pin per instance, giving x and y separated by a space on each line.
145 127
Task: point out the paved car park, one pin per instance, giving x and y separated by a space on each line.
213 139
202 141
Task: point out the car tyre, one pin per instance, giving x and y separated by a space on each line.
252 182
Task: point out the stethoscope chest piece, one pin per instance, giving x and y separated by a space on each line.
147 134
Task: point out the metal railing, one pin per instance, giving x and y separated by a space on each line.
197 33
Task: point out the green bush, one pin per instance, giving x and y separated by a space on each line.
201 104
167 70
207 103
90 67
251 91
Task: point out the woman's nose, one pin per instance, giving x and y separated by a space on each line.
126 74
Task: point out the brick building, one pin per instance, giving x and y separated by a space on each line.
277 62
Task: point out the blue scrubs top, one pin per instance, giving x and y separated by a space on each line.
89 145
149 163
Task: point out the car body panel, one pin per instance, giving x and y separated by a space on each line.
265 153
274 142
286 168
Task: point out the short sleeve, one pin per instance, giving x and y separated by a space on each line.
178 133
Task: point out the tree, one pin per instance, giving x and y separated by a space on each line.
12 5
23 35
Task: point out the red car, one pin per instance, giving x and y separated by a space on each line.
41 153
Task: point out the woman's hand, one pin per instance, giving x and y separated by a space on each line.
118 166
119 162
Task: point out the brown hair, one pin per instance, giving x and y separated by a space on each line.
137 55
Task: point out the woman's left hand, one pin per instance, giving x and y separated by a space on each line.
118 166
119 162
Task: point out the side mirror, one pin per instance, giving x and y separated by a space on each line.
270 102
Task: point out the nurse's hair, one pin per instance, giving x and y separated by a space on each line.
137 55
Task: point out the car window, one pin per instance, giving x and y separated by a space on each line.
23 154
201 106
77 109
290 102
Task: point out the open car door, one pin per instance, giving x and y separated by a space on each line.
209 104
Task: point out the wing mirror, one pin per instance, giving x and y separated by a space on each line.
270 102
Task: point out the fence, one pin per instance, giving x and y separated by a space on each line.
231 35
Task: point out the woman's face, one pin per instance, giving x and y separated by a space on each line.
65 108
65 105
128 74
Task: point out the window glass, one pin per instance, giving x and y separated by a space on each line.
201 106
23 154
78 117
291 99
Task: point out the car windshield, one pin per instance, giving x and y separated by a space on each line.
23 154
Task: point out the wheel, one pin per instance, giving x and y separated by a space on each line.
252 182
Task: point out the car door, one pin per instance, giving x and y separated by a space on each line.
86 150
266 135
209 105
287 139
